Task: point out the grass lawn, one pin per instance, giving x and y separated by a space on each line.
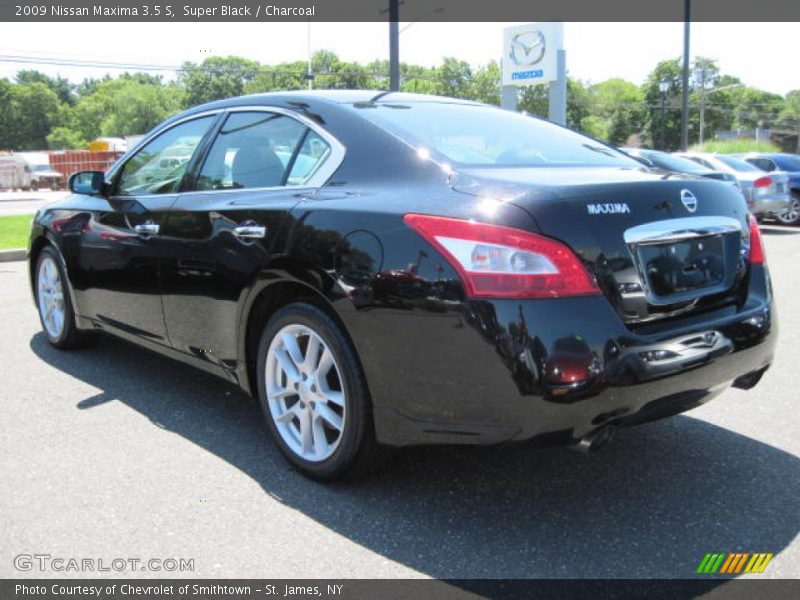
733 146
14 231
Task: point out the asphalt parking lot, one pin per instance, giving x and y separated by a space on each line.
113 452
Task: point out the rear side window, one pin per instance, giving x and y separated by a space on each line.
764 164
252 150
310 157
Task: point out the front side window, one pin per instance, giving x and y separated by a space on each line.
477 135
252 150
158 167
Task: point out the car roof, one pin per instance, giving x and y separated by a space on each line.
341 97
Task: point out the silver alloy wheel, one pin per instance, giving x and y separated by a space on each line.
305 392
791 215
50 295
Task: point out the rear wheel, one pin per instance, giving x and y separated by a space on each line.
791 216
314 396
53 301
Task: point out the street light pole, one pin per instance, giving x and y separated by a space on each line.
394 45
702 83
663 87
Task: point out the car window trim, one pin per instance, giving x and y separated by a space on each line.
293 157
115 172
321 174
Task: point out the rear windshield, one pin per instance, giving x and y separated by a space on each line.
477 135
736 164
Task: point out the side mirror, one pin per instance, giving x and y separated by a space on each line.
91 183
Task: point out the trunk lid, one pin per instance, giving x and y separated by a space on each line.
659 244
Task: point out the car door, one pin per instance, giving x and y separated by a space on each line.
120 254
234 219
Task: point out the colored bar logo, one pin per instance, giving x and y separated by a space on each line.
734 562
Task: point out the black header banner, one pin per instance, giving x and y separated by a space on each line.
417 10
405 589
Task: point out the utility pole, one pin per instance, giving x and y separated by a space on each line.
702 82
687 9
309 74
394 45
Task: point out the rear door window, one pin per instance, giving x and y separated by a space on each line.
252 150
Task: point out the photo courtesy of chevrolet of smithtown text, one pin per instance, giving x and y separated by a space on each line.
399 299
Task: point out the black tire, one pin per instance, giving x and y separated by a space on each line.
69 337
793 216
357 453
34 186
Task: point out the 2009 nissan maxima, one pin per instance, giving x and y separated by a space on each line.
393 269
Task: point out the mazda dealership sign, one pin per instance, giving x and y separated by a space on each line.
530 53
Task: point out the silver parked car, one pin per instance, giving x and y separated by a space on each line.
767 194
774 162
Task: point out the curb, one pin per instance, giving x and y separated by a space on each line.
13 255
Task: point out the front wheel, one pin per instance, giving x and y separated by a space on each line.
53 301
791 216
314 396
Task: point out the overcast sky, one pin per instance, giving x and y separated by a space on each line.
761 54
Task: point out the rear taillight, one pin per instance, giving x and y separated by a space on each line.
762 182
501 262
757 255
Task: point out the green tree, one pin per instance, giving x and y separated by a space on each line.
64 138
486 84
60 86
534 99
124 106
662 119
6 126
617 111
136 108
32 110
216 78
453 78
755 108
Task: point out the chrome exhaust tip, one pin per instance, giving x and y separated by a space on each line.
595 440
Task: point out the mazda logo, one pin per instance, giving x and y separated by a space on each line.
689 200
527 48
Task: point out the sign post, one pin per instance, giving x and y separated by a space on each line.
534 54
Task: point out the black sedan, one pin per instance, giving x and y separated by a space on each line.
383 270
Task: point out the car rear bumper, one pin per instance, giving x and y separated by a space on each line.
770 205
554 370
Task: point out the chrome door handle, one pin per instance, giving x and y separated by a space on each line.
250 232
146 228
